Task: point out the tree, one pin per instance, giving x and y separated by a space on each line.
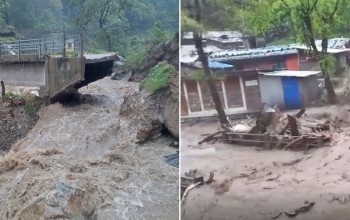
114 25
309 19
192 20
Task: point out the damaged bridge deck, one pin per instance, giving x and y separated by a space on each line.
57 76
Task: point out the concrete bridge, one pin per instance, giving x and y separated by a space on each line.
58 68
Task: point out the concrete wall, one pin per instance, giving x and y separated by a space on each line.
271 90
23 74
63 72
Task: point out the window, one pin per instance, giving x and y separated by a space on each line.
279 66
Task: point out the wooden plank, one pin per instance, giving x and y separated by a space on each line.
209 138
297 115
296 141
319 141
300 113
279 143
309 136
293 125
267 141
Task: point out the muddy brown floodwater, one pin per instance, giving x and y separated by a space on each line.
80 145
323 177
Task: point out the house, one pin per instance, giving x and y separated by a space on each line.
238 90
225 39
273 58
251 42
289 89
337 47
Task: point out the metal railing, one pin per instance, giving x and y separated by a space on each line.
63 45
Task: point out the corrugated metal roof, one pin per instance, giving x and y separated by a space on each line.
189 52
253 53
319 48
334 43
291 73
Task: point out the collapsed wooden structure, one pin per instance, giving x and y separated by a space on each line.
273 130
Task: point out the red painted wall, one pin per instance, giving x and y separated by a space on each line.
258 64
292 62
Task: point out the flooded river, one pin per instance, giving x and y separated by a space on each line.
86 144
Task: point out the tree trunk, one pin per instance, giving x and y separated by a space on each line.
215 95
197 38
332 97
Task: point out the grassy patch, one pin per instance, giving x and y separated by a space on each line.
28 99
158 76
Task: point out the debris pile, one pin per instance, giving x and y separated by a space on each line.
192 180
17 117
274 129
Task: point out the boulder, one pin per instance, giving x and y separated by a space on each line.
67 200
146 114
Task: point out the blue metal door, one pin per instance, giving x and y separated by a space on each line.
291 92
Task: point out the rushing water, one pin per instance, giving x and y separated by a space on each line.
135 184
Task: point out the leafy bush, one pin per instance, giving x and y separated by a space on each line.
158 76
135 58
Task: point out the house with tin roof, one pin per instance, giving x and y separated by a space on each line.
273 58
226 40
337 47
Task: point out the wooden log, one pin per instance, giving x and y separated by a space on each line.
297 115
300 113
209 138
293 125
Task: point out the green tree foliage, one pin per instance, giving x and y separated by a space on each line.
309 20
194 19
110 25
